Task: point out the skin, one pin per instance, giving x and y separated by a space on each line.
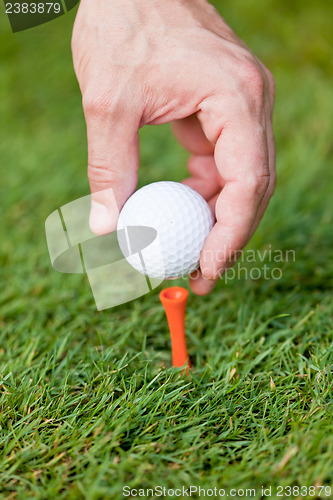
141 62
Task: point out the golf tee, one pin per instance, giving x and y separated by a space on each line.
174 301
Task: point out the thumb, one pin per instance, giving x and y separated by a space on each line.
113 161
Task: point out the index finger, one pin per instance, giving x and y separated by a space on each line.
241 156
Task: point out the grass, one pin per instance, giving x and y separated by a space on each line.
89 402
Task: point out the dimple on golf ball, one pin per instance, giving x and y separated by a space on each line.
182 221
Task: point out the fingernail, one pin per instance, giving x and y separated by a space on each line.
99 219
208 276
212 280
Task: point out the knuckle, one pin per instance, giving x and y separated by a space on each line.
100 172
271 83
253 79
96 102
258 183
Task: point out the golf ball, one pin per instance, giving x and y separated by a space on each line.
181 220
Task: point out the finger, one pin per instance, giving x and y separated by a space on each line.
242 160
201 285
205 178
113 160
271 162
190 135
212 202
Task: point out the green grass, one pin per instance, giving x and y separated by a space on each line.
88 400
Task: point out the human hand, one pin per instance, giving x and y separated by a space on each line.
145 62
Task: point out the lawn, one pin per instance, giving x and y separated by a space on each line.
89 402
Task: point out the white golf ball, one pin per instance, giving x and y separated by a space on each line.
180 220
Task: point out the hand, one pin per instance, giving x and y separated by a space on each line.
145 62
